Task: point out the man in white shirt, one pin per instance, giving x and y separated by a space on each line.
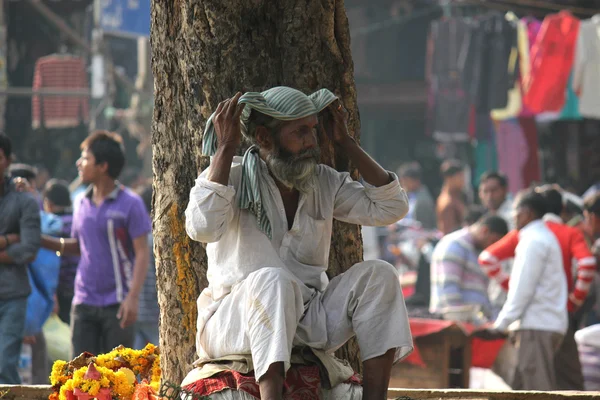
267 219
534 312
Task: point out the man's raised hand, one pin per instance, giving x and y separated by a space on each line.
340 115
227 122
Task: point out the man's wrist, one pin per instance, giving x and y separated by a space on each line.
347 141
228 147
133 295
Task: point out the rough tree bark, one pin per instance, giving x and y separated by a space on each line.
202 52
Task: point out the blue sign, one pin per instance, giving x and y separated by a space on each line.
126 17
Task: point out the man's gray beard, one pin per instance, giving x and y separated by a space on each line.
297 172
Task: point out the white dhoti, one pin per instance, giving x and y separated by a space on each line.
265 316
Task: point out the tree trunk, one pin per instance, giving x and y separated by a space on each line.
204 51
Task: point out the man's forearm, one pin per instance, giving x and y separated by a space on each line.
140 269
220 165
11 238
70 247
373 173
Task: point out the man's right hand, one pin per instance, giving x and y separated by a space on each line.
227 122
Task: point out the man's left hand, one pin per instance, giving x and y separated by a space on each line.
488 332
340 133
128 311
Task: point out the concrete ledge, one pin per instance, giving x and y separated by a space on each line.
31 392
41 392
467 394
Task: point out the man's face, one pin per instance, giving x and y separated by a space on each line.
88 170
488 238
457 181
4 163
298 137
43 176
295 154
410 184
492 194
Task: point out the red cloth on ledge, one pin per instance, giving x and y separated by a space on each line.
301 382
483 352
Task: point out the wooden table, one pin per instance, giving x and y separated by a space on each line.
447 358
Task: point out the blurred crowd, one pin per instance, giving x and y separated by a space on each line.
522 267
76 264
78 272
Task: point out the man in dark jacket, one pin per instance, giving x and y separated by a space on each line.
19 243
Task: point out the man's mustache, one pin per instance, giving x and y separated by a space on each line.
313 153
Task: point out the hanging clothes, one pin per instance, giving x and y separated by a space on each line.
485 153
586 71
59 72
490 43
570 110
513 152
517 66
551 62
531 171
450 109
532 27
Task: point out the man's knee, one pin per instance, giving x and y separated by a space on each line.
379 270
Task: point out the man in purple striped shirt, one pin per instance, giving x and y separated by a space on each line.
456 278
110 229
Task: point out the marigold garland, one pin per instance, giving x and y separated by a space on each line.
59 375
115 381
139 361
117 370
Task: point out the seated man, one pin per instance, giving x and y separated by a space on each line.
535 311
267 219
456 278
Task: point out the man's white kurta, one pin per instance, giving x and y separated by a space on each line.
236 247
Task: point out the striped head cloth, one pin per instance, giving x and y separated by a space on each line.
282 103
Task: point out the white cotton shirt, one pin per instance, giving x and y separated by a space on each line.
586 68
538 287
236 247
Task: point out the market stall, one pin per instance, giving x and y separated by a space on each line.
444 353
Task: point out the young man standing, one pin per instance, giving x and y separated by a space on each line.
110 229
573 247
19 243
535 311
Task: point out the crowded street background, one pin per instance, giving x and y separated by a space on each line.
488 113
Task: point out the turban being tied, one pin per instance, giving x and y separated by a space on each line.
282 103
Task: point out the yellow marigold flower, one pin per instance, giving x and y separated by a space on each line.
57 376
